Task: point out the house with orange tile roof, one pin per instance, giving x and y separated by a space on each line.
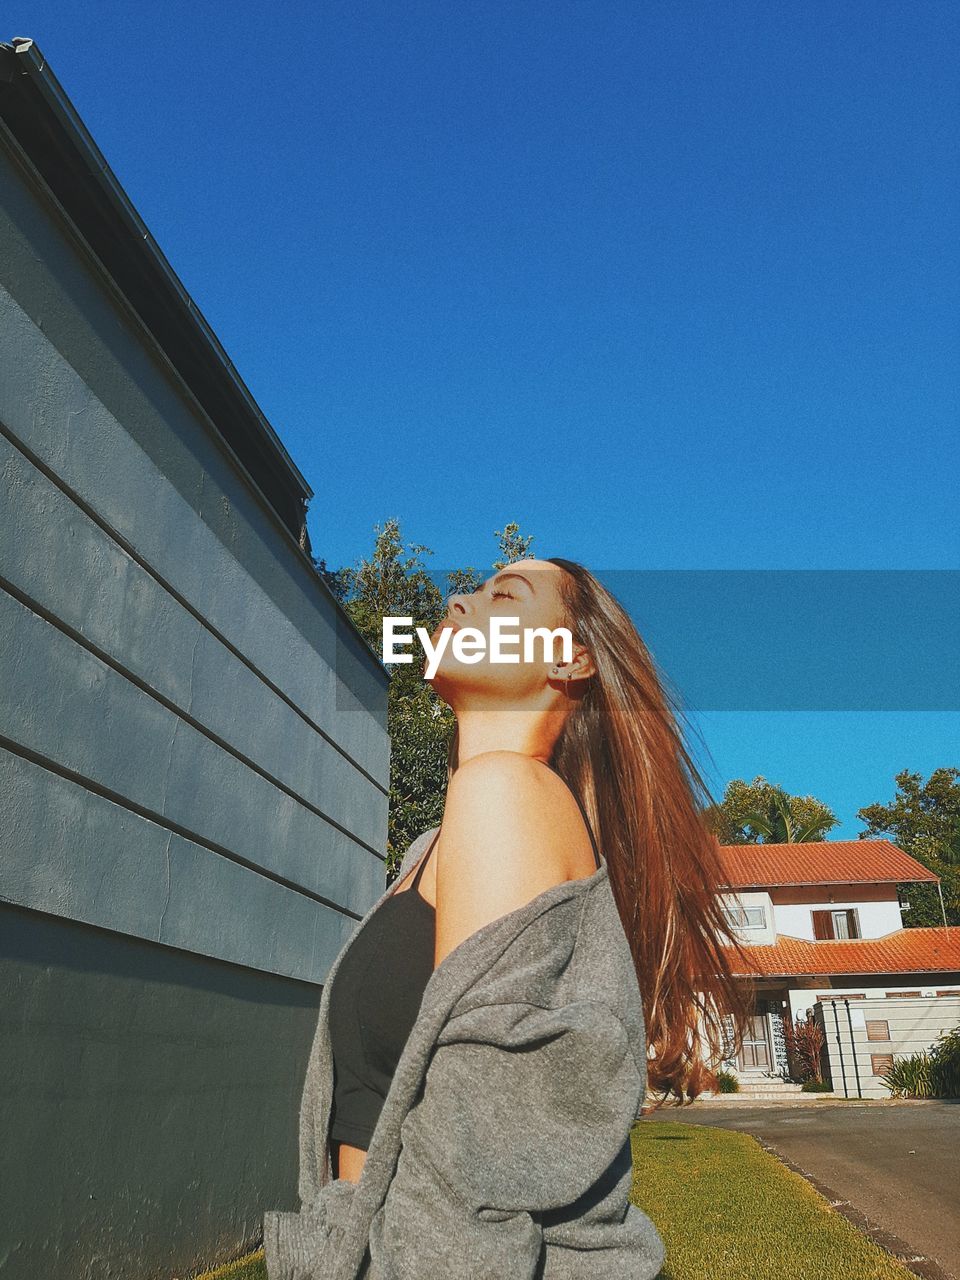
824 922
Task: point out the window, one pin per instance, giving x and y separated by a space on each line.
746 917
892 995
835 923
880 1062
877 1029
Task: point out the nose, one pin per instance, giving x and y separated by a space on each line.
456 605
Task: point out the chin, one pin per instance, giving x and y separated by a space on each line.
461 686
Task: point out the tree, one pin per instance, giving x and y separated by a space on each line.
923 820
395 582
761 812
778 823
334 578
513 545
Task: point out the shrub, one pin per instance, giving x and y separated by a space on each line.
815 1086
909 1077
945 1068
727 1082
933 1073
804 1042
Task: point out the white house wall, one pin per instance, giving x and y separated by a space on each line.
877 907
789 909
751 935
875 918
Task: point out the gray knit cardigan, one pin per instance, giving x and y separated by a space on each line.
502 1151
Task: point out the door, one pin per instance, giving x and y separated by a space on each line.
755 1055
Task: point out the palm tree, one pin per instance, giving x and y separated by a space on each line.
778 824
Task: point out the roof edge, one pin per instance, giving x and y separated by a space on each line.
95 186
808 884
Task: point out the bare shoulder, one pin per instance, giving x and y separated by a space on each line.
502 773
511 829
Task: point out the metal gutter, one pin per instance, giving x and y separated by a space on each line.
767 885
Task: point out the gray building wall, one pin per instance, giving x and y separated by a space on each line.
193 789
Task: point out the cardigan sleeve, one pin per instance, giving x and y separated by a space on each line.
522 1110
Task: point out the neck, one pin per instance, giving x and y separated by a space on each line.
505 729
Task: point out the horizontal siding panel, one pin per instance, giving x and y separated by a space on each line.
74 435
64 704
78 855
912 1025
56 555
918 1026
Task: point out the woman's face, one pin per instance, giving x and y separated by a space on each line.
529 591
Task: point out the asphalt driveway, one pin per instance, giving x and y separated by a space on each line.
897 1163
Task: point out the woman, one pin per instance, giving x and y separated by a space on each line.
486 1038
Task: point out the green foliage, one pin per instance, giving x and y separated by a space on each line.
945 1056
909 1077
336 579
931 1073
421 727
727 1082
815 1086
395 581
761 812
923 819
513 546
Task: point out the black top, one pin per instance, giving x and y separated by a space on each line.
375 1000
373 1005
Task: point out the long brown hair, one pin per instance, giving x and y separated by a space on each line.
623 754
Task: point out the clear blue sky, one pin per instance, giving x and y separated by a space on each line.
674 285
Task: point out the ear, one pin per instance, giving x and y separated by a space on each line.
579 668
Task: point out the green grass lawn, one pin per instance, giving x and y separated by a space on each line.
724 1207
249 1268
